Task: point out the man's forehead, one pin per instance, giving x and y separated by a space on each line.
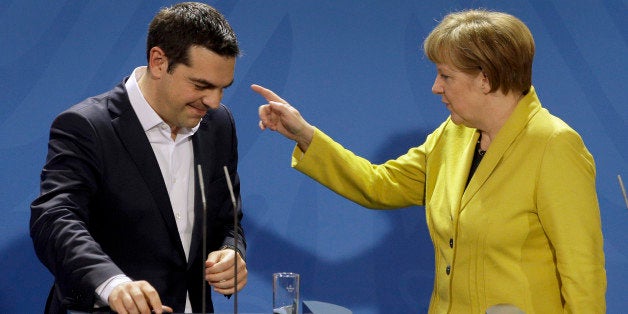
207 67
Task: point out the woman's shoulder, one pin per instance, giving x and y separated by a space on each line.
547 125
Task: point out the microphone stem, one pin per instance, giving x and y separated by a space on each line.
235 240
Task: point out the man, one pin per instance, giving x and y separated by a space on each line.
119 219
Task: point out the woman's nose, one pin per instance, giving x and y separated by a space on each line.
437 87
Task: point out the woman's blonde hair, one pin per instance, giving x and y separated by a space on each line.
496 43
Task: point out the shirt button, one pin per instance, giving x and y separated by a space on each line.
451 243
448 269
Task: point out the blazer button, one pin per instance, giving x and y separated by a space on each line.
448 269
451 243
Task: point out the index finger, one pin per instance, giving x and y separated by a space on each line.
221 263
268 94
155 302
152 298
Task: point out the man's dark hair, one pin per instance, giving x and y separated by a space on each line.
178 28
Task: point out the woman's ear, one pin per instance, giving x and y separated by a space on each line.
486 84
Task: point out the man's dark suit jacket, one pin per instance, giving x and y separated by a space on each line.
104 209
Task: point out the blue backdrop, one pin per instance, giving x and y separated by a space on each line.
354 69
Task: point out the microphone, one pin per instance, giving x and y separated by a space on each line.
235 241
202 186
235 237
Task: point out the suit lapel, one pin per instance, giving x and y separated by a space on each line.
131 134
524 111
203 143
457 155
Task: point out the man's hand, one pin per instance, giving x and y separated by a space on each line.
136 297
219 271
279 116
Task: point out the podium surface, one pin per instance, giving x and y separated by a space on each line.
317 307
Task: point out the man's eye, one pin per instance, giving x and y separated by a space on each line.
199 87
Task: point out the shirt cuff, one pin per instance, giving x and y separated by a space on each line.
104 290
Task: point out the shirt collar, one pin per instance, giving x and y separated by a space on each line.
145 113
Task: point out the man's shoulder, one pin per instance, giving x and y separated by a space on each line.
116 100
94 112
219 117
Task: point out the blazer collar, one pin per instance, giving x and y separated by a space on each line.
525 110
131 134
204 155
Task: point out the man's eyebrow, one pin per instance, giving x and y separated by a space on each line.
207 83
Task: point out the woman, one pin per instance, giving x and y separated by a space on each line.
508 189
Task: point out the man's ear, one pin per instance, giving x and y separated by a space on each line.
157 62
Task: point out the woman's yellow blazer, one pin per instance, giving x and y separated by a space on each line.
526 230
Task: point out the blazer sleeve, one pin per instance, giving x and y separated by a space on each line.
397 183
60 215
569 212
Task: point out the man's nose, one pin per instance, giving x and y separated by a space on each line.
212 98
